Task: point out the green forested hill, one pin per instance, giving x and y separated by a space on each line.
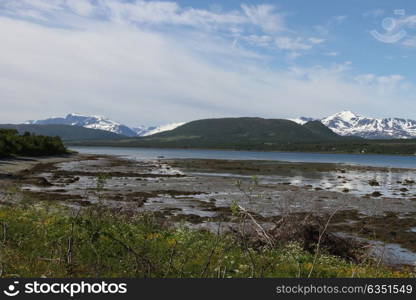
234 133
245 129
321 130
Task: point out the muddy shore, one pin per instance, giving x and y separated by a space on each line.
13 166
372 203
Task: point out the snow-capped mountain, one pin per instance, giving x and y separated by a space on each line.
167 127
348 123
94 122
142 130
146 131
103 123
302 120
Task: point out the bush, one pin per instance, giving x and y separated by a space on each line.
97 242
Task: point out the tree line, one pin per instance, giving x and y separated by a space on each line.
12 143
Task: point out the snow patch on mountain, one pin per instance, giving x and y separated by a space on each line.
93 122
163 128
302 120
103 123
142 130
347 123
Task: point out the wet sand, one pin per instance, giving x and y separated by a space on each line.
200 192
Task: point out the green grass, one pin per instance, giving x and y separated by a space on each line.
49 241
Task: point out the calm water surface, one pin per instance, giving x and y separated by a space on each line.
354 159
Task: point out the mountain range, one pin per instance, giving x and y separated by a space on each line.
103 123
237 133
347 123
233 133
259 134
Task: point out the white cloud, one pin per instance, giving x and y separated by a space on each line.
259 40
265 17
383 80
409 21
315 40
254 24
388 84
390 80
297 43
288 43
331 53
81 7
154 12
164 12
365 78
143 75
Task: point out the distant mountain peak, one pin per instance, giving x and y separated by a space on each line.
75 115
346 115
104 123
348 123
162 128
302 120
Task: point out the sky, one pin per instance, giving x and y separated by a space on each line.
154 62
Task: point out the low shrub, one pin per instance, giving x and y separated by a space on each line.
97 242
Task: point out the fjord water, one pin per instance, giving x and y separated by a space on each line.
391 161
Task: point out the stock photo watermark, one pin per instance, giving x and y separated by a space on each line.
12 289
393 31
70 289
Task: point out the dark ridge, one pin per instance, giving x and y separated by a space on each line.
65 132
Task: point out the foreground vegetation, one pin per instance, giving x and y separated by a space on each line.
48 241
11 143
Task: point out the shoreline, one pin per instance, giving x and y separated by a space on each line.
286 157
236 149
319 166
14 166
171 191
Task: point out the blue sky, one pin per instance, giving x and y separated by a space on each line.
153 62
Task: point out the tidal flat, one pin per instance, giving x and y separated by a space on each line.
376 205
